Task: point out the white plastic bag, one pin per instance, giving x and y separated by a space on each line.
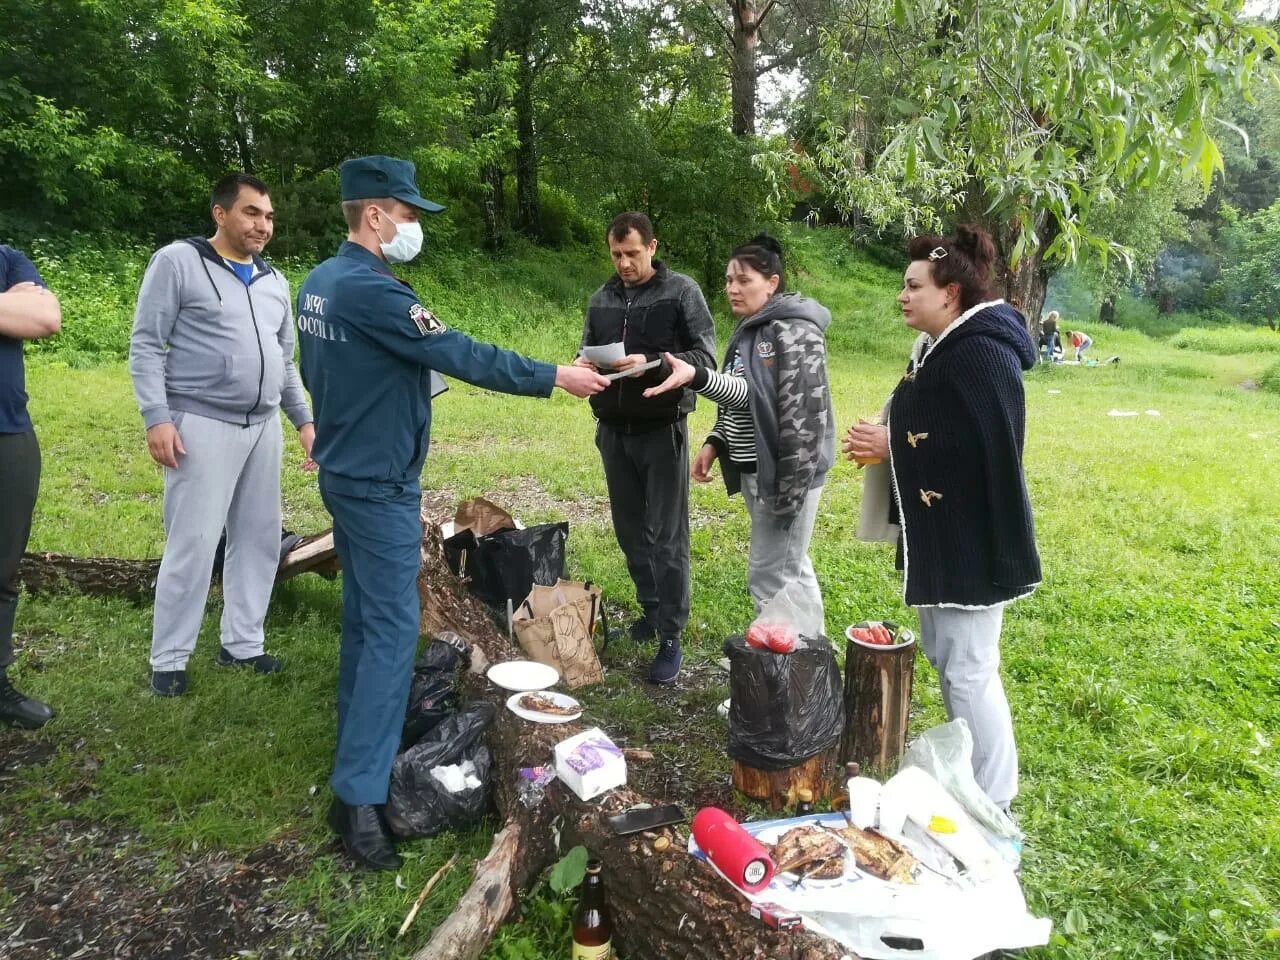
946 753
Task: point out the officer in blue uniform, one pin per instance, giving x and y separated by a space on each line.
368 351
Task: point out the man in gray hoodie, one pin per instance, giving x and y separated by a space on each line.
211 359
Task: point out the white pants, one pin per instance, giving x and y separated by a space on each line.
229 478
964 647
779 552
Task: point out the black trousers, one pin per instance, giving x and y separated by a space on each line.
19 484
648 478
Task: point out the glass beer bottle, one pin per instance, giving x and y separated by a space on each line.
592 926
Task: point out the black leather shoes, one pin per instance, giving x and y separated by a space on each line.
363 835
20 709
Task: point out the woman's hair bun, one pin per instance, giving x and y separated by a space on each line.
977 243
767 242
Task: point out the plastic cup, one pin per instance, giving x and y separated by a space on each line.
864 801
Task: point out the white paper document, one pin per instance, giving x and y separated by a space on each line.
605 355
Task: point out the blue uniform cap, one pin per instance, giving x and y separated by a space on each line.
368 178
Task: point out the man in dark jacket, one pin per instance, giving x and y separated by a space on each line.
643 442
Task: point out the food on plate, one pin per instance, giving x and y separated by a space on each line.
875 633
878 855
539 704
803 846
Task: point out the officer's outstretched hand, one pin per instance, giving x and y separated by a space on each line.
580 381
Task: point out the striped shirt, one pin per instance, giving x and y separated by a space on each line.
734 432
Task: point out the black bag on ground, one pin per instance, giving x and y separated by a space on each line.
505 565
419 805
785 707
431 693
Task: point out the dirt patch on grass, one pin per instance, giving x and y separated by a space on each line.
522 497
74 889
87 891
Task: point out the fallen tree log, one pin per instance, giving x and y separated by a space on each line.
136 579
666 905
97 576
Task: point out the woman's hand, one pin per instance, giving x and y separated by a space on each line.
701 472
681 376
866 443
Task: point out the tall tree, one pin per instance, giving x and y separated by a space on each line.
1026 121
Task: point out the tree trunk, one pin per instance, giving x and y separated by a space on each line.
877 705
495 207
1025 285
748 15
97 576
780 788
528 207
136 579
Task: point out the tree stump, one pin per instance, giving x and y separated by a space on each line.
877 703
778 788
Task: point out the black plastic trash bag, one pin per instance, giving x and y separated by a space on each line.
785 707
419 805
505 565
431 694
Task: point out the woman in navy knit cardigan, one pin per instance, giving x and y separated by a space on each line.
953 439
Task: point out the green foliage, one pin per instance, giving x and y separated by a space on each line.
567 874
1251 257
97 288
1227 341
543 930
1008 115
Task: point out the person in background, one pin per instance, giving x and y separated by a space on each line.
1050 341
953 439
28 311
1081 341
774 434
644 441
211 359
369 348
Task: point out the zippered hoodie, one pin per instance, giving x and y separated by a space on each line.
667 314
784 351
204 342
956 426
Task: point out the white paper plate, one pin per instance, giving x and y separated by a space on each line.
523 675
537 716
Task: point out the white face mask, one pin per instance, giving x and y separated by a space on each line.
405 245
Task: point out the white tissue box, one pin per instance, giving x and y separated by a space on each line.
590 763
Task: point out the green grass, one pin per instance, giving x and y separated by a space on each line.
1143 675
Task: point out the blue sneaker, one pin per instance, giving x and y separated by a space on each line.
666 665
262 663
168 683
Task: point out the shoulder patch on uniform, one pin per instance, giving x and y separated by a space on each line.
428 323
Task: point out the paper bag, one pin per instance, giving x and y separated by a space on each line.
554 625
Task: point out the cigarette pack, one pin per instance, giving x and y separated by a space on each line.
776 917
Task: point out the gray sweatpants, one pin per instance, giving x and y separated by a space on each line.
229 478
779 552
964 647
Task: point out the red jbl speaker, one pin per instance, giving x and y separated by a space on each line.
738 855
